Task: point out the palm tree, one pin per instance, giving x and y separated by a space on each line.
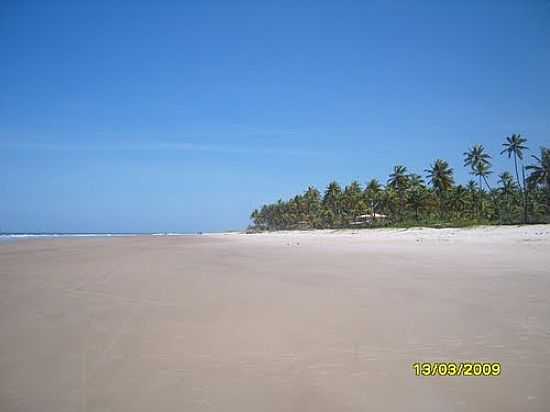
458 199
372 194
540 172
390 202
417 194
416 181
332 192
255 217
478 161
507 188
352 200
440 176
483 170
332 200
312 200
399 182
514 146
471 188
373 186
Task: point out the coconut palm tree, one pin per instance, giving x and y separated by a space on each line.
373 186
417 194
255 217
332 201
399 181
312 200
332 194
471 188
390 203
483 170
458 199
398 178
440 176
507 188
479 162
540 171
514 146
352 199
507 184
372 194
416 181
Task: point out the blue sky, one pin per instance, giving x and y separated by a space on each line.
184 116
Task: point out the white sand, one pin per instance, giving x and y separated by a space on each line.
298 321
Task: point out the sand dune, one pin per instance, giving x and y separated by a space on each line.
296 321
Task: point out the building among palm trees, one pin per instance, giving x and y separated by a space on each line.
368 219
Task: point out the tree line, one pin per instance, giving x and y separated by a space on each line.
433 199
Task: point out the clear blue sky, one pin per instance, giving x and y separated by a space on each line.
176 116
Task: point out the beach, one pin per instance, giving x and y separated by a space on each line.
286 321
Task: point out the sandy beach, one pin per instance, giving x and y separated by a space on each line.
296 321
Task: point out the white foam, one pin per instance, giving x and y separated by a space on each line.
39 235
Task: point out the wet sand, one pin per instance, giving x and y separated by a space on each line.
309 321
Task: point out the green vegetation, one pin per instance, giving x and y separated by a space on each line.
409 200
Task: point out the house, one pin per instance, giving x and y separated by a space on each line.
368 219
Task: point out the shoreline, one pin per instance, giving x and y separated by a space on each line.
336 231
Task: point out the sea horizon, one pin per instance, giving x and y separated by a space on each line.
93 234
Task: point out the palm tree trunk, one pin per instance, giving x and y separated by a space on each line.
487 183
480 200
400 205
508 206
522 190
495 202
517 174
524 196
